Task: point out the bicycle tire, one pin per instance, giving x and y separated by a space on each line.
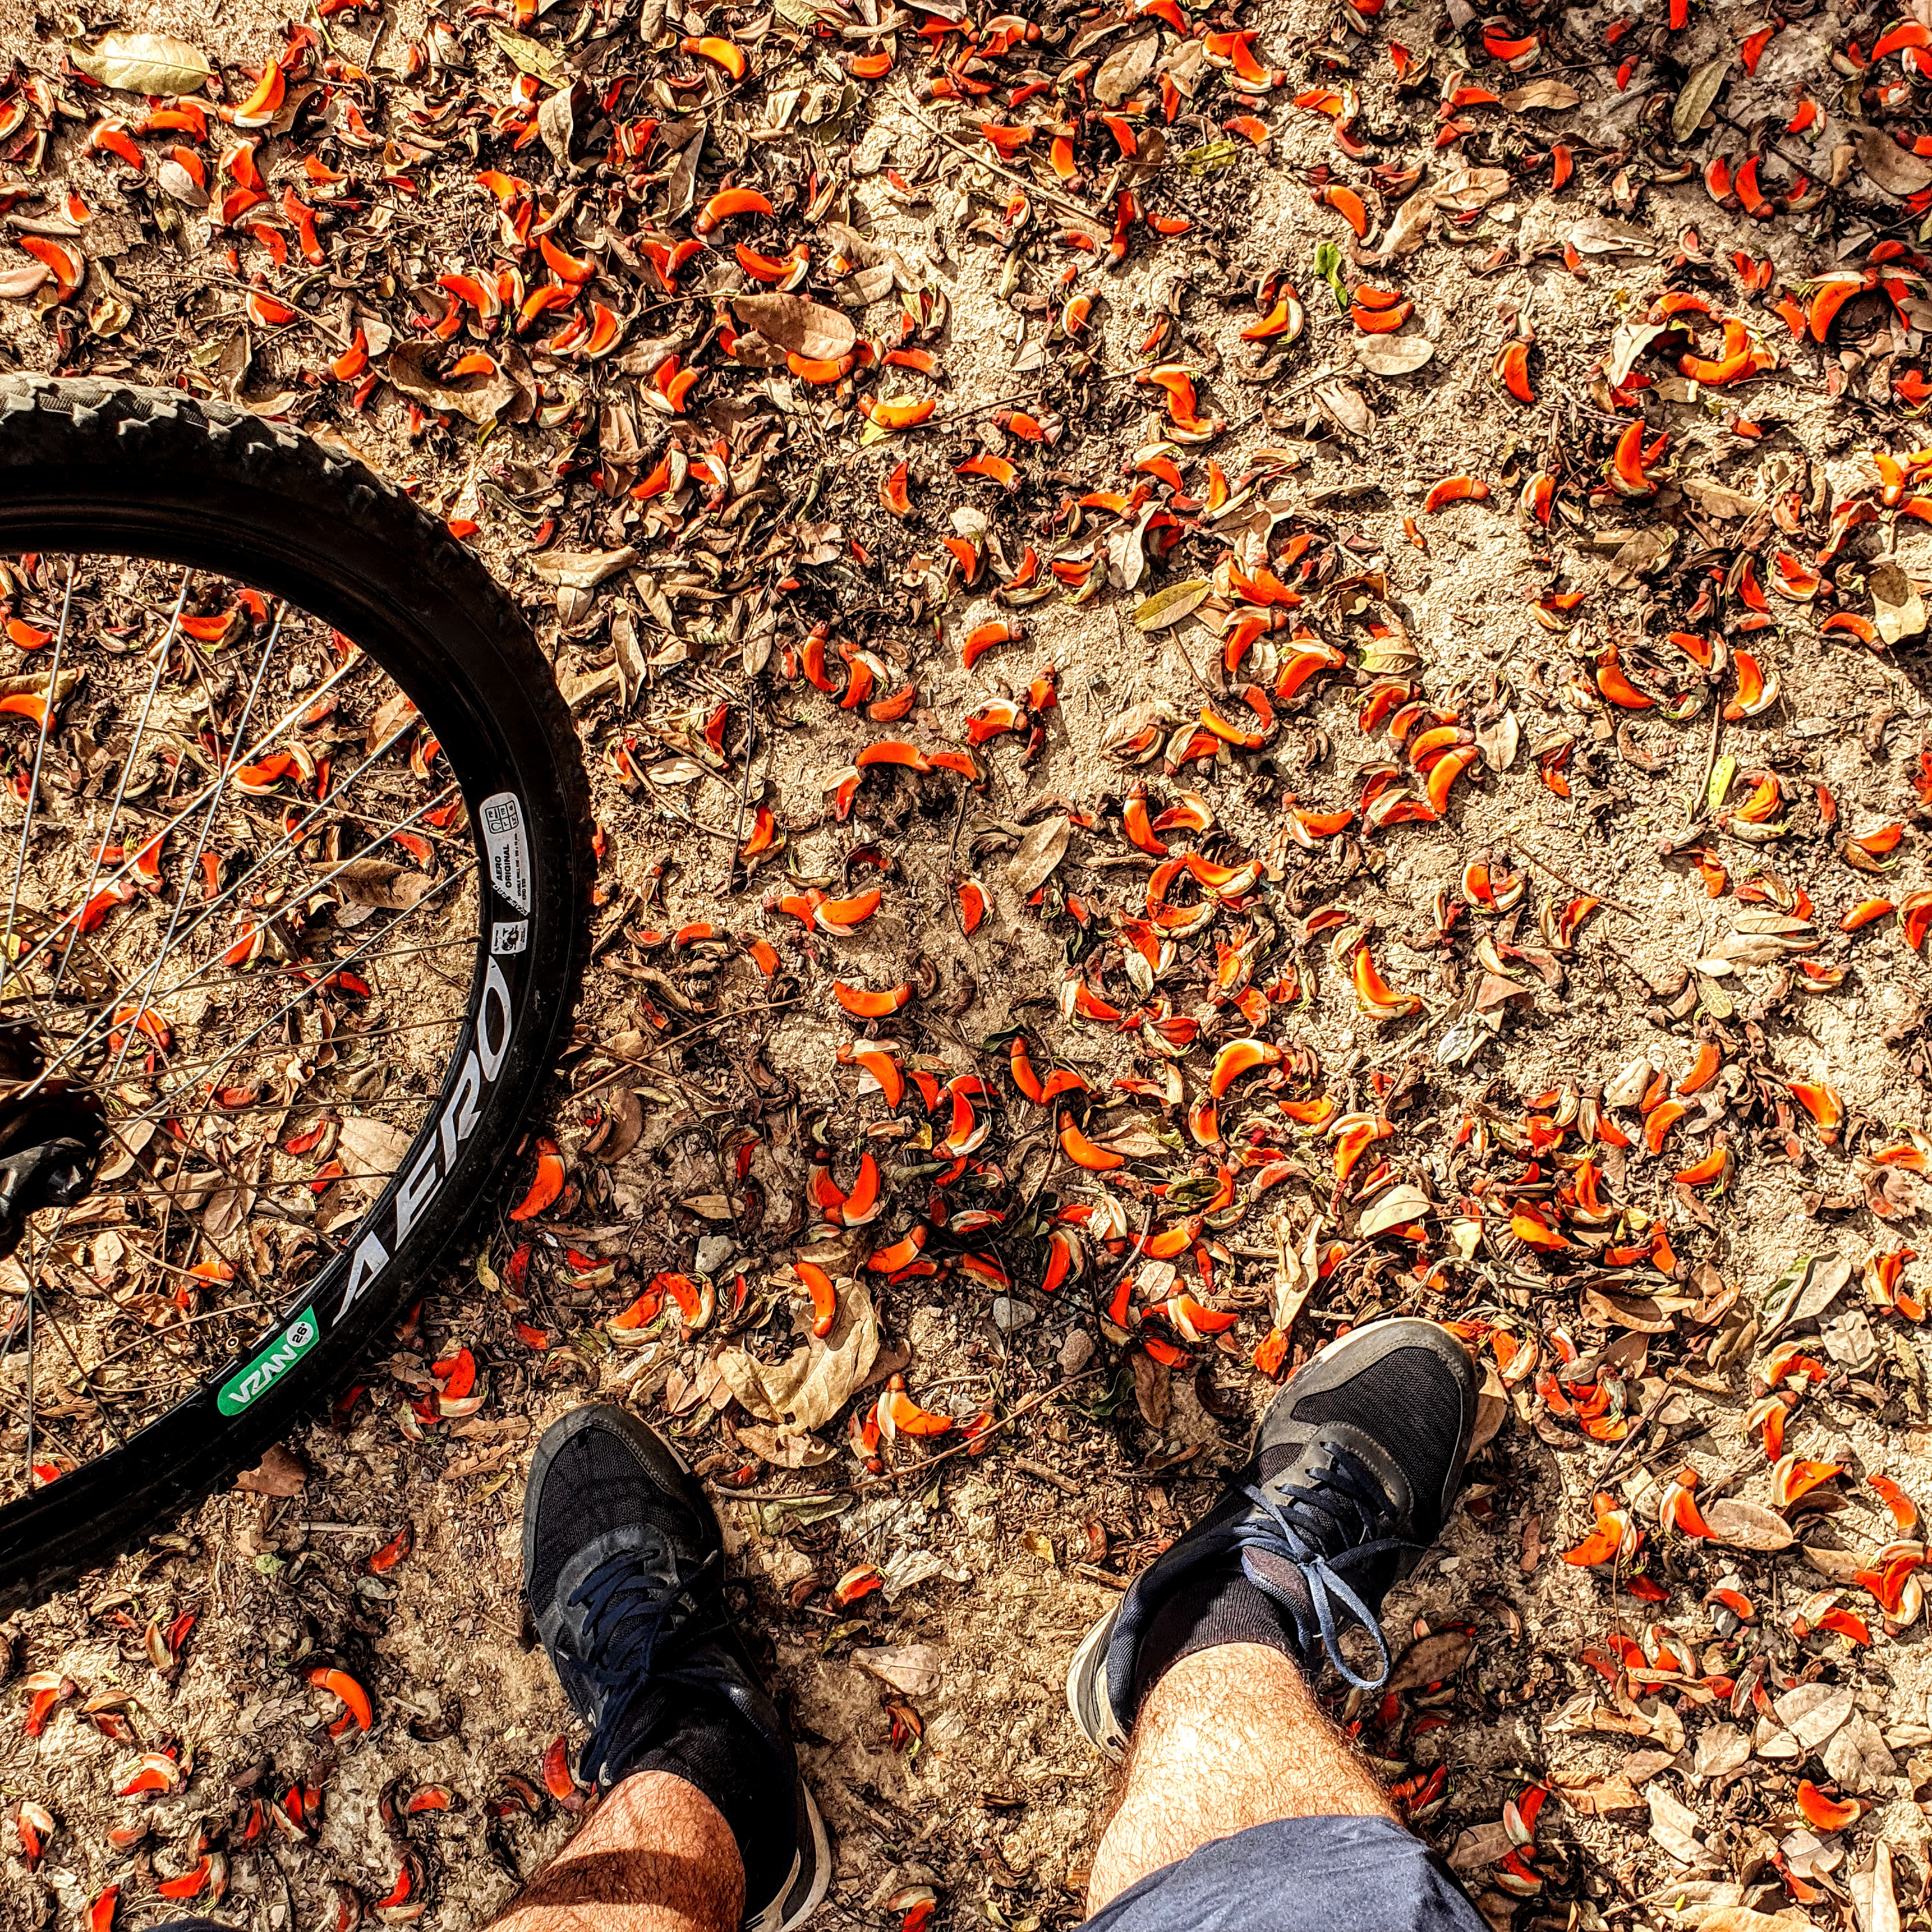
92 465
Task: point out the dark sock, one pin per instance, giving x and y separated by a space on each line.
1220 1605
714 1748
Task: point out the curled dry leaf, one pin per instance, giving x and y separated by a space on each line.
279 1473
1407 231
807 1389
481 397
1591 1795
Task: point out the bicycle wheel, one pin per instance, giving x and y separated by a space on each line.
294 841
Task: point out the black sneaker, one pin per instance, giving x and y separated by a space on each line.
624 1567
1354 1467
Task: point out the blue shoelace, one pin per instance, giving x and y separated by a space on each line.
627 1613
1339 1509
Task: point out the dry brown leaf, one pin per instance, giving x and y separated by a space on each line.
1040 853
1896 170
1693 100
912 1670
1874 1895
281 1472
1480 1845
1432 1660
580 569
1540 94
785 1448
1125 68
17 284
370 1146
810 1386
1742 1524
1492 1409
142 63
1153 1394
1465 189
481 398
797 325
1393 354
384 884
1591 1795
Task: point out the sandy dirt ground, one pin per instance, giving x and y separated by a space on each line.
1627 1336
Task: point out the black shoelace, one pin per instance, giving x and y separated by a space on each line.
1338 1513
628 1614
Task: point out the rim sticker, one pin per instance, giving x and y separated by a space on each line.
268 1367
509 852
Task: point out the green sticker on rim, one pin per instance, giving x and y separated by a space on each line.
247 1385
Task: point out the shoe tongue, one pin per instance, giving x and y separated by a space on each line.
1279 1459
1275 1573
651 1713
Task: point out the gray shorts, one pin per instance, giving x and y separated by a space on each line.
1299 1875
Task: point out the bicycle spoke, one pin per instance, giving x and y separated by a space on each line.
34 781
208 931
127 771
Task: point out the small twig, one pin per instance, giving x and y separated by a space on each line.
1564 879
1065 1484
1628 1446
673 813
744 796
1038 189
624 1066
1171 636
1710 755
1004 1423
737 1013
1804 170
952 858
965 409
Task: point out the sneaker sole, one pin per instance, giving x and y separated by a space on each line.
1086 1691
804 1892
1087 1696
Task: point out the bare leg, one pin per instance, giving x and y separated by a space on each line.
656 1856
1230 1737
